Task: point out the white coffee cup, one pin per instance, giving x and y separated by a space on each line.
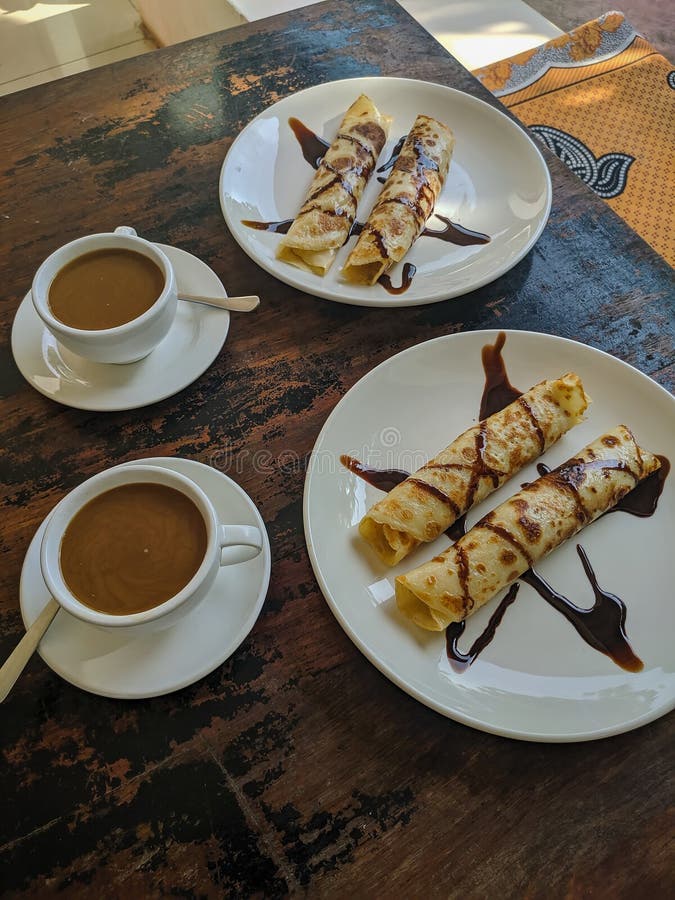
125 343
244 543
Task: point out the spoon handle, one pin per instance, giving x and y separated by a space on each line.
17 659
237 304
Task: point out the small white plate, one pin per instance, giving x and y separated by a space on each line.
498 184
128 668
537 680
194 341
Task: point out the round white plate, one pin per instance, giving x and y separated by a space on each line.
537 680
195 339
128 668
498 184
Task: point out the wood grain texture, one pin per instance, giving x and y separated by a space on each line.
295 768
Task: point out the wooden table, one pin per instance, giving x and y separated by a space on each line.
295 767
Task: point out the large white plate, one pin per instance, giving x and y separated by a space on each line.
498 184
537 680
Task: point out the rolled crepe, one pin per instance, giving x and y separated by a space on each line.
474 465
327 215
519 532
405 204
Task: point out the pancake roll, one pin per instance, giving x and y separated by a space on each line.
524 529
406 202
326 217
474 465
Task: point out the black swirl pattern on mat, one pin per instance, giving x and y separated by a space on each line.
670 78
607 175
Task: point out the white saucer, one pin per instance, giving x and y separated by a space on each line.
195 339
152 664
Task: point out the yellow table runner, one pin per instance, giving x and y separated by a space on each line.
603 100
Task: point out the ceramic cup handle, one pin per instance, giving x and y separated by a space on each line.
125 229
240 542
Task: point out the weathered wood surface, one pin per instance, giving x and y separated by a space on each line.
295 767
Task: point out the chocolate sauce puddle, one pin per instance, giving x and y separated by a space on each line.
603 625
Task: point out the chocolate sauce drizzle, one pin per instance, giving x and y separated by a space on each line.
457 529
382 479
406 279
423 164
603 625
313 150
422 159
392 159
280 227
452 233
460 661
643 499
498 391
313 147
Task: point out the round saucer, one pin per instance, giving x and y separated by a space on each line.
151 664
194 341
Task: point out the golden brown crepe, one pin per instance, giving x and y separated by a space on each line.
327 215
474 465
519 532
405 204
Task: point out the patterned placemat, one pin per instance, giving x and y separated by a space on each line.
603 100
